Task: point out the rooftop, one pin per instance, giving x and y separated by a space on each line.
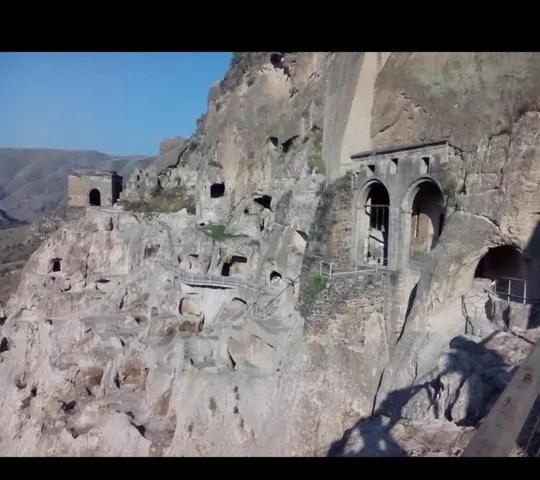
101 173
399 149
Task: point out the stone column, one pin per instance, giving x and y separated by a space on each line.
393 238
405 239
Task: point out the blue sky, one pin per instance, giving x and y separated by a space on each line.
116 103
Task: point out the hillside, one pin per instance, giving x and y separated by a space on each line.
33 182
311 273
6 220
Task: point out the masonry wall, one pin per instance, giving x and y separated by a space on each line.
79 187
347 298
346 306
330 233
400 181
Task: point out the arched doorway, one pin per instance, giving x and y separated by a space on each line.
427 216
94 197
372 224
506 268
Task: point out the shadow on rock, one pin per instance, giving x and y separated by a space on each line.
461 389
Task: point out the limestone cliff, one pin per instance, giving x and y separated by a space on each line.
192 319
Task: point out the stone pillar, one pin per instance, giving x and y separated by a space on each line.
405 239
393 238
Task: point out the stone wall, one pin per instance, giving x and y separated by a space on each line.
329 237
403 173
345 306
80 185
330 231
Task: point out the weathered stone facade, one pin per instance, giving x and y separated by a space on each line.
347 300
403 172
93 188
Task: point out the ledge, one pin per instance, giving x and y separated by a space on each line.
399 149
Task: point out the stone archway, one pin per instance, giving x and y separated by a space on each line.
94 197
425 203
372 224
506 269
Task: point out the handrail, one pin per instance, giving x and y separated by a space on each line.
508 290
209 279
533 300
236 312
290 284
258 291
359 269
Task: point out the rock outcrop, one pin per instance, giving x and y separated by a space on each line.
194 320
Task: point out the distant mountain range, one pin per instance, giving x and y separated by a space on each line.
33 181
6 220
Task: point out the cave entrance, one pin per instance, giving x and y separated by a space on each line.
263 200
94 198
217 190
372 224
236 265
427 217
56 265
506 269
275 278
194 262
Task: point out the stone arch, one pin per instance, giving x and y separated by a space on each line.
424 205
94 197
372 212
506 270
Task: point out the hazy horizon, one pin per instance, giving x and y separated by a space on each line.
113 103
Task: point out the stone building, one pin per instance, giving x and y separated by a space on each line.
389 211
398 204
93 188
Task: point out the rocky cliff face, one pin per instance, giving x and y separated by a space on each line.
191 321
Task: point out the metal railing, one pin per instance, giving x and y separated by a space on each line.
511 289
378 216
328 269
210 280
236 313
258 292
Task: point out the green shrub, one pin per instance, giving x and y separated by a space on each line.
316 163
317 284
315 160
172 200
239 59
218 232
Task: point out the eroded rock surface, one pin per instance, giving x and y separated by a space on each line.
193 320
